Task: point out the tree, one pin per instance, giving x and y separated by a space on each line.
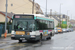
57 25
70 26
62 25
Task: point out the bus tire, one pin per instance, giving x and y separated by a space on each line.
46 38
49 37
51 34
40 36
20 40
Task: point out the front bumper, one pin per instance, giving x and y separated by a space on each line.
25 37
59 31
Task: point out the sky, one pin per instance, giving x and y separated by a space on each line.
66 6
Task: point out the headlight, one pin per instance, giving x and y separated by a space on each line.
28 33
13 32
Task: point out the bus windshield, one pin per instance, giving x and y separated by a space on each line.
23 25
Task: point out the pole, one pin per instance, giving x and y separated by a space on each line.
6 19
67 18
46 8
50 13
71 16
33 8
60 17
55 13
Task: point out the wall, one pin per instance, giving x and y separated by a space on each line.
55 21
2 18
19 6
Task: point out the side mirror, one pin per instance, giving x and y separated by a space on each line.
10 21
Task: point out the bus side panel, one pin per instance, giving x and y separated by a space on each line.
49 31
46 33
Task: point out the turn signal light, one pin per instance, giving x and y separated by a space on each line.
28 33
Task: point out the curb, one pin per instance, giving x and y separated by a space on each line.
8 35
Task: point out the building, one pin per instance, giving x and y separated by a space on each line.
62 17
20 6
2 16
72 22
58 18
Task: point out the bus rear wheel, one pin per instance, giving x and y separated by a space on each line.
49 37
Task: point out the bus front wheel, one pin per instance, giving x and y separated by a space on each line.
40 37
20 40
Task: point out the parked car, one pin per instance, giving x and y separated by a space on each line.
71 29
64 30
55 30
68 30
59 30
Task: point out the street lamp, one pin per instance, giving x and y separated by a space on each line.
71 16
67 18
60 15
33 8
46 8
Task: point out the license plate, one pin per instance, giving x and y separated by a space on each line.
22 38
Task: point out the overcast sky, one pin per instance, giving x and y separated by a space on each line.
66 5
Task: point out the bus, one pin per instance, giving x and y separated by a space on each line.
31 27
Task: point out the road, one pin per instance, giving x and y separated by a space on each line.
61 41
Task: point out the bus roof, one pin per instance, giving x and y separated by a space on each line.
38 16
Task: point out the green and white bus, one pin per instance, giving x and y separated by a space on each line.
31 27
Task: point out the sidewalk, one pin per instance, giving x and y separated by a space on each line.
8 35
3 40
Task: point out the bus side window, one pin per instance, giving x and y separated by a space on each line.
37 25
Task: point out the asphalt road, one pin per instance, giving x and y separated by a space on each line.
61 41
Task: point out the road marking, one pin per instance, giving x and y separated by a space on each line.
1 49
69 47
19 45
3 42
15 46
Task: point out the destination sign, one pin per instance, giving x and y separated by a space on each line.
24 16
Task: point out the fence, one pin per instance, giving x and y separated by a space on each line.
2 29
